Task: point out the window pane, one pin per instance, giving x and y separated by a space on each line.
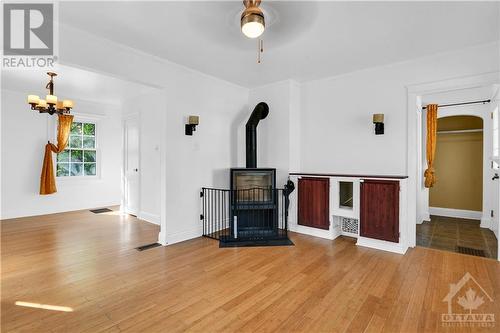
76 155
76 128
62 169
89 156
88 142
88 129
75 141
89 169
63 156
76 169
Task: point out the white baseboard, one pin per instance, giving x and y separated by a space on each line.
381 245
15 215
321 233
485 222
148 217
425 216
183 236
457 213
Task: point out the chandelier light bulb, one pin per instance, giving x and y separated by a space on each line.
33 99
42 103
51 99
68 104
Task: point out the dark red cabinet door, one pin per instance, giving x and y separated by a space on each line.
380 210
314 202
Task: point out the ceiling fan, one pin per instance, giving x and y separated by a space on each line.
253 23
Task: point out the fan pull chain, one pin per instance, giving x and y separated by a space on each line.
260 49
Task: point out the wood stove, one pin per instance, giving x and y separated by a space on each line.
254 203
253 211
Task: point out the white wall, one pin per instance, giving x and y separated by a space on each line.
149 109
203 159
279 134
336 113
24 135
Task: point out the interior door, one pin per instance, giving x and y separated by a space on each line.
379 214
314 202
131 167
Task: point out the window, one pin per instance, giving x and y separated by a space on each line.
496 138
80 156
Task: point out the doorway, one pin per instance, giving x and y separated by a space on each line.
456 200
131 165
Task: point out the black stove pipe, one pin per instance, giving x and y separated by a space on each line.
260 112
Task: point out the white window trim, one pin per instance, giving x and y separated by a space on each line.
89 119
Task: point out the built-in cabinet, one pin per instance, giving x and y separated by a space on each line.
379 212
372 209
314 202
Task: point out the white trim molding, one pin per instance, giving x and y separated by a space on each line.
486 222
457 213
177 237
321 233
148 217
399 248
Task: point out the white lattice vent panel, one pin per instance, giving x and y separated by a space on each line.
349 226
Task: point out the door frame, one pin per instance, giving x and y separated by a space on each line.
416 194
124 199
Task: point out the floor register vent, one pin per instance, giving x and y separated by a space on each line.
471 251
147 247
101 210
349 225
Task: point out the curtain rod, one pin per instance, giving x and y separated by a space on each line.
464 103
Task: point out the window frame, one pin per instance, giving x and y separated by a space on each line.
97 176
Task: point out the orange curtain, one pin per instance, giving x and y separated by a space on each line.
430 176
47 179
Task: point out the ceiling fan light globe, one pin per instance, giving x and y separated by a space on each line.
252 29
252 22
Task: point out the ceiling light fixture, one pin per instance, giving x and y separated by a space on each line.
252 19
50 104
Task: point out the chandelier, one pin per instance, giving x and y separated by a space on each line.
50 104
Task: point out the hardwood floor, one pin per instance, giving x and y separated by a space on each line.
88 263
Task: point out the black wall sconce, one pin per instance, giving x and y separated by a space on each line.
193 121
378 120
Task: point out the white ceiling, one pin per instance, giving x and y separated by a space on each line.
73 83
303 40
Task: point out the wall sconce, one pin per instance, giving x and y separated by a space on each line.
191 125
378 120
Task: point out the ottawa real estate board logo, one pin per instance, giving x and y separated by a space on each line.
28 36
467 302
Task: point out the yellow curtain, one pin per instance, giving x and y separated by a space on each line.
430 176
47 179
